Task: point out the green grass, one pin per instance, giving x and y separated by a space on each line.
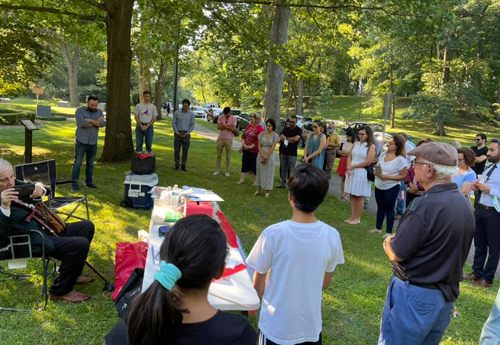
352 304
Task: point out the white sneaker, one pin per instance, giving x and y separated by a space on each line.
386 235
227 174
216 173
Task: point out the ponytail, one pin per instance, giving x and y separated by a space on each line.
154 317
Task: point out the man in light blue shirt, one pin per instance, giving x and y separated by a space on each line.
491 329
487 236
88 121
183 124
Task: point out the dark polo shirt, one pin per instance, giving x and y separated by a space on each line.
433 239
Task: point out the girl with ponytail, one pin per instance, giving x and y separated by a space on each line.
174 310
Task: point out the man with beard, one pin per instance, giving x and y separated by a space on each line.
487 236
88 121
289 139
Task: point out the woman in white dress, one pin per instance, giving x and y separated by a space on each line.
357 184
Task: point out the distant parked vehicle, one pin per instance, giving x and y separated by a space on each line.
357 125
199 112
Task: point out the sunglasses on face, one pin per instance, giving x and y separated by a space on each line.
479 139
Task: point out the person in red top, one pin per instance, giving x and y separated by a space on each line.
414 189
250 147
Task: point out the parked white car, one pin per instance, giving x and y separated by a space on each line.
199 112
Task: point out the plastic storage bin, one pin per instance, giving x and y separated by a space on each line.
136 191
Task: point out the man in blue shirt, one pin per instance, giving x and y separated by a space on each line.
183 124
88 121
487 213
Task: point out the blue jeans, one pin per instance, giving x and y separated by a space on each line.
139 138
385 206
90 151
413 315
401 202
491 329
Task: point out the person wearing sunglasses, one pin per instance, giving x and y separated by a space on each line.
481 151
314 153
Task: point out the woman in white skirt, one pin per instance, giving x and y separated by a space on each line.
356 183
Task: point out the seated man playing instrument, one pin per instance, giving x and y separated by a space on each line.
71 246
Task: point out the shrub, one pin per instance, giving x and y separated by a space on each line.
52 118
9 119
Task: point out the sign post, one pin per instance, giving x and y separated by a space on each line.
387 112
29 127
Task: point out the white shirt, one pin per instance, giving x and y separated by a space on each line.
494 183
409 159
297 256
146 112
391 168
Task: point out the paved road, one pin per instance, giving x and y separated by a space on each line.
335 183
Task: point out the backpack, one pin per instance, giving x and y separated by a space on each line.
130 290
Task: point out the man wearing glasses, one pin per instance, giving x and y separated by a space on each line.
289 138
428 252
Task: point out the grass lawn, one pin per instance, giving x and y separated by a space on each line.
352 305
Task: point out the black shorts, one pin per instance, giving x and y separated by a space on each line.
264 341
249 162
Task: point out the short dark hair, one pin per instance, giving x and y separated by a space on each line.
469 156
272 122
482 135
293 117
350 133
308 186
92 98
146 92
186 101
495 141
226 110
403 135
424 141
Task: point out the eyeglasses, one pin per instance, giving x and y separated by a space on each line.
479 139
315 127
413 163
361 134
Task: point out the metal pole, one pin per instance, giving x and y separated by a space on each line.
28 146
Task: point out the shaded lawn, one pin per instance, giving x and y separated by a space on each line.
352 305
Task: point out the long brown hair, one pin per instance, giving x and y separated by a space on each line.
400 145
370 139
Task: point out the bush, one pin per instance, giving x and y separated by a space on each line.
52 118
8 119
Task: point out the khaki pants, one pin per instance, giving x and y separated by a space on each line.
221 143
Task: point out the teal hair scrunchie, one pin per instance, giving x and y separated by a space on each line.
168 275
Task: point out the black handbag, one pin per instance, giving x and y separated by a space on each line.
130 290
369 172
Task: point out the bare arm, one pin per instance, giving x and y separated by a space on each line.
259 283
307 144
480 159
388 250
400 177
327 280
271 150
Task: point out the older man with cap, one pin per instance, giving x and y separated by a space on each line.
428 252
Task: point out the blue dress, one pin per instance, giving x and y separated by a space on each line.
313 146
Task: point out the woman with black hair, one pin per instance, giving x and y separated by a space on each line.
175 308
265 159
345 149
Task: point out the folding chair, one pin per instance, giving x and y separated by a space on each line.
19 247
45 172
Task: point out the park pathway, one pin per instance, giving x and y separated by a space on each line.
335 183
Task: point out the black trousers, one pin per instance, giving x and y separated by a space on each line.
386 200
184 142
71 248
487 242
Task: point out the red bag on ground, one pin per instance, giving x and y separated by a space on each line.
129 256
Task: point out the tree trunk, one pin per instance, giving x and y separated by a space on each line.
300 101
159 86
118 140
393 103
275 72
446 70
440 128
72 63
144 76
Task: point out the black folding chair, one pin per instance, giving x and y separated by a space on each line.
20 247
45 172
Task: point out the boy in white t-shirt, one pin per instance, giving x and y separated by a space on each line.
297 257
